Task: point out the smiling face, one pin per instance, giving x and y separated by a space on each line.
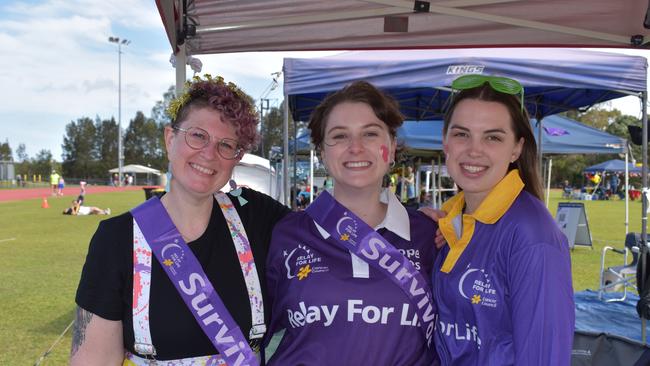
479 146
357 148
200 172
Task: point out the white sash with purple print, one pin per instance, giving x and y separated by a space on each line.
191 282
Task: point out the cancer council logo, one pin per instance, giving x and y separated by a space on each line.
172 255
346 228
301 262
476 286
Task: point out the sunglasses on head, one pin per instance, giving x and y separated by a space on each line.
497 83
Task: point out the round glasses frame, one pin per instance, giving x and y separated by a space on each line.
227 148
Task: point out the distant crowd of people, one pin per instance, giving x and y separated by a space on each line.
400 181
127 180
600 188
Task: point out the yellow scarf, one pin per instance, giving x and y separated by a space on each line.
493 207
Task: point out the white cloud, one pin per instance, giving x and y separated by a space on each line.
57 65
129 13
61 67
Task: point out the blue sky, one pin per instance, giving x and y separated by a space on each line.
57 66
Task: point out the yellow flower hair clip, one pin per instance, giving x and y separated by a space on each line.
200 88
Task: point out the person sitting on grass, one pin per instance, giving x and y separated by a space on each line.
77 209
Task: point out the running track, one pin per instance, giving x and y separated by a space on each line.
20 194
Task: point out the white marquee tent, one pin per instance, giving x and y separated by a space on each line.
136 169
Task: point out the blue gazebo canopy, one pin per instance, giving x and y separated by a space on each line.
555 80
560 135
612 166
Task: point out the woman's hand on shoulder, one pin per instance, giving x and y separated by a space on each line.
435 215
432 213
439 239
95 340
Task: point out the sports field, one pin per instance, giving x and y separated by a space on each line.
42 252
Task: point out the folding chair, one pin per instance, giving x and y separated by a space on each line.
623 276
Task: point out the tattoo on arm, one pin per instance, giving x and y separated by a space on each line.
82 319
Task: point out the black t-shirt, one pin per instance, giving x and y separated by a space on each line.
106 285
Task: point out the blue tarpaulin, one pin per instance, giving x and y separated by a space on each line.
617 318
561 135
555 80
302 144
612 166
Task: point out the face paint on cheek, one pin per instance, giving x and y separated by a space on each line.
384 153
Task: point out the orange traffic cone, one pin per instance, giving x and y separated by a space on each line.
44 204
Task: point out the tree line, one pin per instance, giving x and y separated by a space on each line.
40 164
90 146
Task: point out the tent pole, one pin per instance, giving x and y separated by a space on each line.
439 181
181 60
627 203
435 184
540 160
285 153
279 180
644 203
294 180
311 175
418 181
543 175
431 184
548 180
427 184
271 177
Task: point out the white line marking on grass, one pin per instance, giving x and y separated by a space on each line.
10 239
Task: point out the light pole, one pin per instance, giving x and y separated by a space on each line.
264 106
120 156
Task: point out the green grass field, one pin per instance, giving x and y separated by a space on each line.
39 272
42 252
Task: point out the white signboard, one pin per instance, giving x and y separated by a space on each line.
572 220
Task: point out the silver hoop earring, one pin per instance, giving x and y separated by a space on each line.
392 164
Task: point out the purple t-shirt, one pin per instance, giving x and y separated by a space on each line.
509 299
330 316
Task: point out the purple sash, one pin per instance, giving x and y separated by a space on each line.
349 231
191 282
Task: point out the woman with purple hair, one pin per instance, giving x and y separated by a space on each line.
176 279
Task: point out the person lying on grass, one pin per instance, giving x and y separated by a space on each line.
78 210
